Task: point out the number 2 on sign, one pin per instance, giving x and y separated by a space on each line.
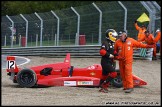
11 64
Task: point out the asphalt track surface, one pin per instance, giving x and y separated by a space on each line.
19 61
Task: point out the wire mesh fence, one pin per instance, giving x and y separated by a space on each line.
82 25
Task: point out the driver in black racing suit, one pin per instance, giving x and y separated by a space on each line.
107 60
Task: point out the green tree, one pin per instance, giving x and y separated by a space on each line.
27 7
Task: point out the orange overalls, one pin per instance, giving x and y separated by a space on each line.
150 41
157 38
141 32
125 49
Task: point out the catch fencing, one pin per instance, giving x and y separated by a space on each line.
75 26
64 27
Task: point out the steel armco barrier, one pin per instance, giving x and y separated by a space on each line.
88 51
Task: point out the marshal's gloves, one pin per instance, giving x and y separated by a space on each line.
118 57
115 53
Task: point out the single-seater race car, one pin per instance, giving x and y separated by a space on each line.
61 74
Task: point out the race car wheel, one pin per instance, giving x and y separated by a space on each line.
117 82
26 78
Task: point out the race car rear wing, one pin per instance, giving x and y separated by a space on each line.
67 58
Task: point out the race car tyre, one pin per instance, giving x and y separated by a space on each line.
117 82
26 78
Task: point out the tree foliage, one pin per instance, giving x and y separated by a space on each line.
27 7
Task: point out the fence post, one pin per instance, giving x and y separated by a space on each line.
36 40
55 39
125 16
100 23
155 3
78 27
150 14
58 27
19 40
11 30
41 28
76 40
5 41
153 17
26 29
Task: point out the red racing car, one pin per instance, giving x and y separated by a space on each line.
61 74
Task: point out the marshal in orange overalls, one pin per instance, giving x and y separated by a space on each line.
141 32
157 38
125 49
149 39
